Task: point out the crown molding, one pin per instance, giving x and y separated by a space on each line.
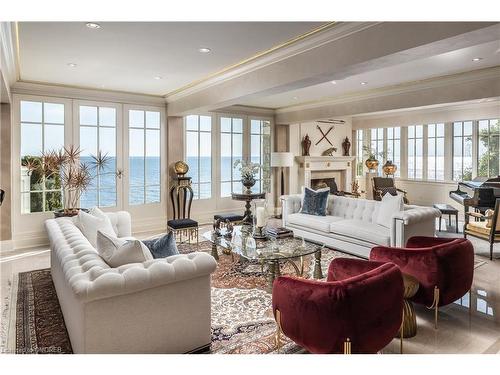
37 88
246 110
402 88
315 38
9 69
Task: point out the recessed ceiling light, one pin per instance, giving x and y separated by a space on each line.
295 97
334 82
475 59
204 50
93 25
364 83
72 65
158 78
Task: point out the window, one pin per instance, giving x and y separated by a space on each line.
42 131
231 149
359 152
199 154
260 151
394 147
98 138
435 152
488 148
377 146
462 151
144 156
415 151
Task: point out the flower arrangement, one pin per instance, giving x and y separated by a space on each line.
248 170
63 169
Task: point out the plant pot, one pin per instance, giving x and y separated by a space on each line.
248 183
389 168
68 212
371 164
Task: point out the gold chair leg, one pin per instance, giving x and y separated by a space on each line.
347 346
435 306
278 331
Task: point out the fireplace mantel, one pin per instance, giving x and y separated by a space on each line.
342 166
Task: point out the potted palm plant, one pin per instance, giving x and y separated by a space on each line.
64 170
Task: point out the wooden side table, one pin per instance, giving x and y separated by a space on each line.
248 198
446 209
409 326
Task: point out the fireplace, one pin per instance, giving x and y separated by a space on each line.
332 171
320 183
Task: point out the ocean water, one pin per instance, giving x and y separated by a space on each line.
140 170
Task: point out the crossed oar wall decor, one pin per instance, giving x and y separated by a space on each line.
324 135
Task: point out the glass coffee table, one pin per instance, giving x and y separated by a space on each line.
271 254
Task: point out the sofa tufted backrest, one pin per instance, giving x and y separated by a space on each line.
91 278
356 209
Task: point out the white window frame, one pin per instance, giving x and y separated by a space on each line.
391 141
473 159
212 131
118 139
427 156
478 140
415 138
261 137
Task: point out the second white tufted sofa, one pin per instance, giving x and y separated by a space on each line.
351 224
159 306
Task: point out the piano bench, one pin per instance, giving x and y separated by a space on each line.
446 209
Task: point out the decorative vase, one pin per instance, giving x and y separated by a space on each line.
371 164
248 182
68 212
346 145
389 168
306 145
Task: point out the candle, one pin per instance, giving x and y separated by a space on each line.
260 215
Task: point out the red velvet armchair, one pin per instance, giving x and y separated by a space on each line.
444 267
358 308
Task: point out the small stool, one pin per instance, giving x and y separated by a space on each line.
446 209
233 218
186 227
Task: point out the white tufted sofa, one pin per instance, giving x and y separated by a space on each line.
351 224
159 306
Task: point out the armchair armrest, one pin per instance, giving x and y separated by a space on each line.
345 268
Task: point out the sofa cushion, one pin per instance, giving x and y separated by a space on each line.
362 230
90 224
390 205
321 223
163 246
315 201
116 251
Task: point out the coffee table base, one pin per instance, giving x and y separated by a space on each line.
409 321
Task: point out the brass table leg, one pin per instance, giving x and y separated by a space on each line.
214 251
271 275
318 274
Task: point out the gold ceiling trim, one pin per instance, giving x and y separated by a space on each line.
91 88
317 30
18 53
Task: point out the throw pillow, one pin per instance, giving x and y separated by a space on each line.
390 205
117 252
315 201
162 247
90 224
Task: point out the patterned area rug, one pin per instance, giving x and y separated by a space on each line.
242 319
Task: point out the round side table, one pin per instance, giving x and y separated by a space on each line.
411 286
247 198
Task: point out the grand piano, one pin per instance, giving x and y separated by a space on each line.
480 193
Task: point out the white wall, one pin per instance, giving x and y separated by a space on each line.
299 131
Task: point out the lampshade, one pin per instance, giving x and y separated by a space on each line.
281 159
